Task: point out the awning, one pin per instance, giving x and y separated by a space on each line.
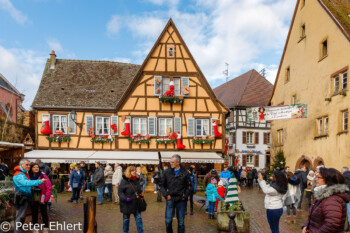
193 157
76 156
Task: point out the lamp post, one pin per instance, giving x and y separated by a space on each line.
73 116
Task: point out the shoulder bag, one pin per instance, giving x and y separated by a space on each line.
140 200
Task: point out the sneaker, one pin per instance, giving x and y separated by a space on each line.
88 190
155 192
70 200
98 203
75 202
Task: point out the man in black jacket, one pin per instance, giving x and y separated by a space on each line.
175 186
346 173
301 174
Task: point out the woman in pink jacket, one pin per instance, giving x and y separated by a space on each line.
44 196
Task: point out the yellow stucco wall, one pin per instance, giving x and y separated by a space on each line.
310 80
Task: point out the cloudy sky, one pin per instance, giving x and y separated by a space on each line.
246 34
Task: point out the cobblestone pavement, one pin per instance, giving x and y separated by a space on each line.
109 218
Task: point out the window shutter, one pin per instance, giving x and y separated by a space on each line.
45 117
234 138
265 138
190 127
185 86
152 126
244 139
256 161
114 120
256 138
71 125
211 126
177 125
89 122
244 160
158 85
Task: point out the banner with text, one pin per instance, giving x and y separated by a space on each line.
293 111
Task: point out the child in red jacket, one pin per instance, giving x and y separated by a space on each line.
221 191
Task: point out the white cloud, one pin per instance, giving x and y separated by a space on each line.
23 68
17 15
238 32
270 71
114 25
54 44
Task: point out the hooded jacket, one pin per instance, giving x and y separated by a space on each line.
212 193
126 190
22 183
302 176
108 175
117 175
293 194
328 210
46 189
76 177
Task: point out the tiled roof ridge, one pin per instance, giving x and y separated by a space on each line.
102 61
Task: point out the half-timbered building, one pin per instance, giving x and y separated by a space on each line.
110 111
248 141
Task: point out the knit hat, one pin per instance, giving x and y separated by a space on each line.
221 183
214 172
311 172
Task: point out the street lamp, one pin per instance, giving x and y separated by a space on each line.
73 116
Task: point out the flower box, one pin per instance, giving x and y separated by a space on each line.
202 141
166 141
168 99
101 140
58 138
139 140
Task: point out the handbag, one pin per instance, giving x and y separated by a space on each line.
140 200
36 193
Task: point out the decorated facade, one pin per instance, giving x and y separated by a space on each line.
164 105
314 71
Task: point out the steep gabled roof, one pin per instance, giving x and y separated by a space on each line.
249 89
137 77
4 83
338 10
83 84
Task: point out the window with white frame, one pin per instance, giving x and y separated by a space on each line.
164 124
102 125
319 126
59 123
345 80
345 121
166 85
249 158
139 126
250 136
336 84
202 127
325 122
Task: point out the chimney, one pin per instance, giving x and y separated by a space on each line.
52 60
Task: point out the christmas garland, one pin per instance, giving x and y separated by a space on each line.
139 141
165 141
58 138
101 140
167 99
202 141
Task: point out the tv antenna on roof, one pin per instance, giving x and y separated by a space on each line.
225 72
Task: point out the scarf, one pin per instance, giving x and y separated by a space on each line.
278 189
133 178
35 177
320 188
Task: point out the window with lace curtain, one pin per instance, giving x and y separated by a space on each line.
59 123
102 125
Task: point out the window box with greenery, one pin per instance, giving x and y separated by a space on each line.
101 139
202 140
58 138
140 139
171 99
165 141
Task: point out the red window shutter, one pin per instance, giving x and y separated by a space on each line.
244 161
244 138
256 138
256 161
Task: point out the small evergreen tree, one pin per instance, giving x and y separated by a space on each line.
279 161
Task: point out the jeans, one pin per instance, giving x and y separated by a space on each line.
100 191
75 195
206 204
43 210
273 217
293 208
144 185
138 220
211 207
301 197
21 215
109 187
180 207
348 210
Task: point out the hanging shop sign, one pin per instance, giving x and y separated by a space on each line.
293 111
